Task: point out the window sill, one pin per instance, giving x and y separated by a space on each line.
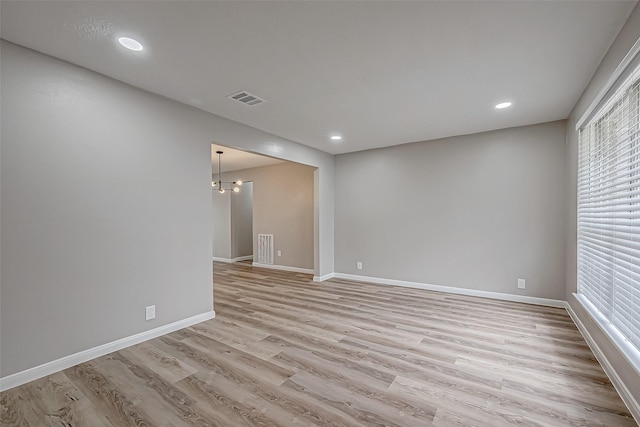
626 348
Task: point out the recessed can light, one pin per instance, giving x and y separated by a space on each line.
503 105
336 138
130 44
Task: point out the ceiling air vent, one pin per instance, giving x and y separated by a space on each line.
246 98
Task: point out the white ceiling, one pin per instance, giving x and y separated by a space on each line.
232 159
378 73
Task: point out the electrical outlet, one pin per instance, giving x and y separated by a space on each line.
150 312
358 265
279 252
521 284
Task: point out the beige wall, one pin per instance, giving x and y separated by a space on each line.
475 212
283 205
628 36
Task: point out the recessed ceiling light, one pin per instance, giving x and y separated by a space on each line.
130 44
503 105
336 138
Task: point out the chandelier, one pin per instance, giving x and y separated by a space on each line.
220 184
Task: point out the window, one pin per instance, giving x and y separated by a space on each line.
609 215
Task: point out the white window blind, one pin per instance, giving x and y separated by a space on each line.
609 211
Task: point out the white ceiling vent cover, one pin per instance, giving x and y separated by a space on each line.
246 98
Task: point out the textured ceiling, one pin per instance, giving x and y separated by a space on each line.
378 73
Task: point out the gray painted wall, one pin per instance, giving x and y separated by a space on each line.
242 221
283 205
105 207
232 219
476 211
221 222
105 210
623 43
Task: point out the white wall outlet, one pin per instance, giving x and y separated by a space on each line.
150 312
521 284
279 252
358 265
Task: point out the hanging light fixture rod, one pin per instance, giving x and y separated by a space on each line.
220 184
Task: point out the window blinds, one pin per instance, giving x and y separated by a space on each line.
609 210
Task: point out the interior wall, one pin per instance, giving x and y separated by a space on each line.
283 205
626 38
221 223
242 221
475 212
105 207
105 210
233 223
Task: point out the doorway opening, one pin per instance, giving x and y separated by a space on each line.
276 198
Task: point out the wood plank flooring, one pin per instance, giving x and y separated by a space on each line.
285 351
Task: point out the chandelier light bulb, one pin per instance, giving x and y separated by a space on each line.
236 189
239 182
222 190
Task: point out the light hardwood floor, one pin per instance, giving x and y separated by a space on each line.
284 351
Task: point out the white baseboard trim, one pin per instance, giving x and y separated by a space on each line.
618 384
232 260
452 290
323 278
283 268
54 366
